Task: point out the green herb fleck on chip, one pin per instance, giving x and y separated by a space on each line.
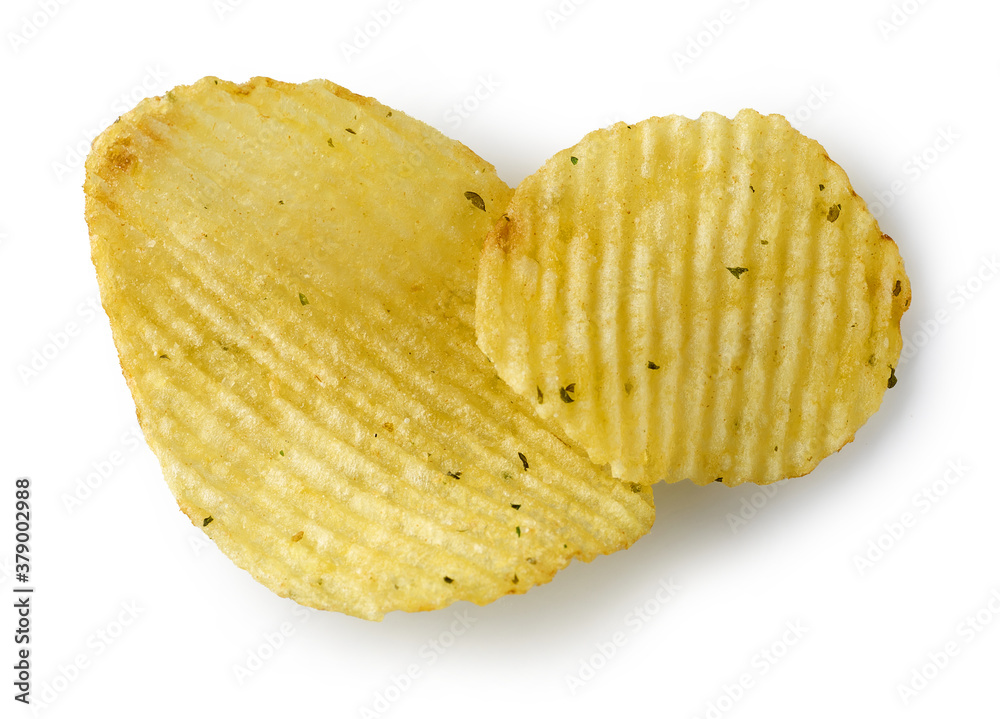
518 531
329 141
350 131
541 397
833 214
516 506
208 520
302 299
737 271
652 365
566 391
476 200
456 475
524 460
892 377
448 580
574 160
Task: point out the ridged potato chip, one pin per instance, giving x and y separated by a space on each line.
290 275
695 299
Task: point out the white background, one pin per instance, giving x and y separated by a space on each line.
876 577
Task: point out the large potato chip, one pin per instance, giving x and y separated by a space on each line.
289 271
695 299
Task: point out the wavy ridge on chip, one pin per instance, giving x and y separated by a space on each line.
695 299
289 271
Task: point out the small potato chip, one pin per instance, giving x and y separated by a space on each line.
289 271
695 299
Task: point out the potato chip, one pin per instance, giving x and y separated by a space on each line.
289 271
695 299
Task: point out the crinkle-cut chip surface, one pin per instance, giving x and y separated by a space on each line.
695 299
290 275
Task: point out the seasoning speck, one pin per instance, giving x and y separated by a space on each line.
476 200
737 271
